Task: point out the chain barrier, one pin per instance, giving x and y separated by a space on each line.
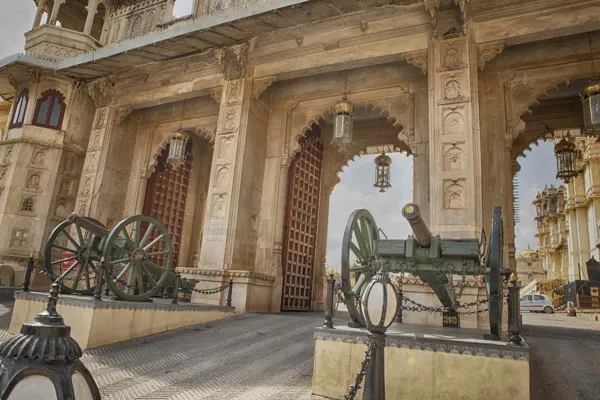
211 291
56 278
363 371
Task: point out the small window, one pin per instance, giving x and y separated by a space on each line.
19 112
526 298
538 298
50 109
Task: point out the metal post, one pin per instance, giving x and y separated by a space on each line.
328 323
398 318
106 288
28 272
176 290
229 293
513 312
374 388
100 275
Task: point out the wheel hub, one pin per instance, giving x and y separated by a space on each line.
138 256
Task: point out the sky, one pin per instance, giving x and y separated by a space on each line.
356 189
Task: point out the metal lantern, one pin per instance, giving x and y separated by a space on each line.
343 114
177 149
379 303
43 361
382 172
590 97
566 158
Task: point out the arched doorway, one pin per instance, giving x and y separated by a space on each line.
166 196
301 222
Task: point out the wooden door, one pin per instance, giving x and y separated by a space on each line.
166 195
304 190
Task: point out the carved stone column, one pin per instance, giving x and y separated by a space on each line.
454 137
230 234
54 13
105 176
38 14
92 9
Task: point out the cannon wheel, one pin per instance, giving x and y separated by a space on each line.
83 262
128 257
358 244
494 265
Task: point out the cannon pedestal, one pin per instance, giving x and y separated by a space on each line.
98 323
423 362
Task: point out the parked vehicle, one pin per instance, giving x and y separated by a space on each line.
537 303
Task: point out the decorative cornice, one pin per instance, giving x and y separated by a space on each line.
121 305
417 58
486 52
31 141
407 341
231 274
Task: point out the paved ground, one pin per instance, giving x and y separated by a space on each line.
565 357
269 356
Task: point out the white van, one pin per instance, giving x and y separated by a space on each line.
537 302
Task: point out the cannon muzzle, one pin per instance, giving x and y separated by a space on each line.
420 230
88 225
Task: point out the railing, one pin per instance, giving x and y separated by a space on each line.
587 301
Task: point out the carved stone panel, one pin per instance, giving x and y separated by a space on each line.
454 194
217 208
19 238
453 89
39 158
453 121
230 121
225 147
454 156
100 118
451 56
222 177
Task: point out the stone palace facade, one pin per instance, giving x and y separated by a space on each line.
463 85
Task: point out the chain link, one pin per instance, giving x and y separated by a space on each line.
363 371
211 291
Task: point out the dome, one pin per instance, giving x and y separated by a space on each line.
528 253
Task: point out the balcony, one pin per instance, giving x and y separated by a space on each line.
58 43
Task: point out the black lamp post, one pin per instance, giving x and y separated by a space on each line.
42 362
379 307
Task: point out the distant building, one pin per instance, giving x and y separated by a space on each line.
529 267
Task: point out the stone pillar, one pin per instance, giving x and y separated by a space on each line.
92 9
107 167
230 235
54 14
582 225
456 208
38 14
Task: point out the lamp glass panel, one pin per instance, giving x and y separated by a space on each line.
392 305
375 303
34 387
80 387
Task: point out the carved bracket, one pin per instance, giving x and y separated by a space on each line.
260 85
123 113
417 58
216 93
101 91
233 61
486 52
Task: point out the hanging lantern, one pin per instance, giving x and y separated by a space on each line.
177 146
343 113
566 158
382 172
590 97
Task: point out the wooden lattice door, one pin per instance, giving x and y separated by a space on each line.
166 195
304 189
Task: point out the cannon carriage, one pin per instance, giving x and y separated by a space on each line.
137 255
432 259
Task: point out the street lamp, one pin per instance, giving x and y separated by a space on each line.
379 307
382 172
42 362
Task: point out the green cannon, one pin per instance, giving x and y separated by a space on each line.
137 254
434 260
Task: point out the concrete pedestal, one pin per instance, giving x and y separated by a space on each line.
423 363
98 323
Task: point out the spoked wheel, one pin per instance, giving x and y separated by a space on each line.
494 279
73 252
357 252
138 257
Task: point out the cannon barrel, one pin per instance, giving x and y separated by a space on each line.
420 230
88 225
